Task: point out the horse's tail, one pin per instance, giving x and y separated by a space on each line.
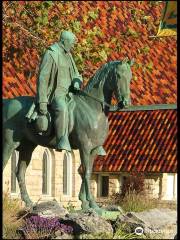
5 100
11 108
5 106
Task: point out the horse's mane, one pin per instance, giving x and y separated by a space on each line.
100 75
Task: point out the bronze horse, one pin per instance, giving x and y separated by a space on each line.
88 127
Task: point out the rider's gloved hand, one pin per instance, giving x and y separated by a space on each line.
76 86
43 108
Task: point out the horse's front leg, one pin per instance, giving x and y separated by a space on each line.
85 194
25 154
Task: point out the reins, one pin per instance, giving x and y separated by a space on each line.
95 98
112 107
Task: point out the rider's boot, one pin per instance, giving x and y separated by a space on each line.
101 151
63 144
61 125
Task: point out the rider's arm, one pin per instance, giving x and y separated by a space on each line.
76 72
43 79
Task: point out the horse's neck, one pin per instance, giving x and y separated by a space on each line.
97 93
100 92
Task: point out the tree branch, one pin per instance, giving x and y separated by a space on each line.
25 30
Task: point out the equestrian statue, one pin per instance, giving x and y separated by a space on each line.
62 115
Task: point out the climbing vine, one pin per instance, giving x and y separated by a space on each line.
30 26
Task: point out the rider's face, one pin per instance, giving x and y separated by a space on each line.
69 43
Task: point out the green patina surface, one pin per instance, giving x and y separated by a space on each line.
110 215
87 128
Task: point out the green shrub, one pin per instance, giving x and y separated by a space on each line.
133 182
133 195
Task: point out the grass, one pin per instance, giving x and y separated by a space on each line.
133 202
95 236
10 222
122 232
13 220
37 235
119 234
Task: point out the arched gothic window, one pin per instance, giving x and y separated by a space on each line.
67 174
46 172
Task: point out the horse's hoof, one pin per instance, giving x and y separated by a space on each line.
93 204
85 205
99 211
29 204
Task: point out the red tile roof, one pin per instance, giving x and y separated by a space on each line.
154 75
140 141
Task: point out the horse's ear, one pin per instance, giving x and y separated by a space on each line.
125 60
131 62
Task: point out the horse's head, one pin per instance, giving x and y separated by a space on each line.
123 75
113 77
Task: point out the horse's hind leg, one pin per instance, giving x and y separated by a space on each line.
84 191
85 194
25 153
8 149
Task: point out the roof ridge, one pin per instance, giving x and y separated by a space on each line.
149 107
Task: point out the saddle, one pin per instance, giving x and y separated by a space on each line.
43 124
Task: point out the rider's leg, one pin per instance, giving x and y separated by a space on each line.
61 123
